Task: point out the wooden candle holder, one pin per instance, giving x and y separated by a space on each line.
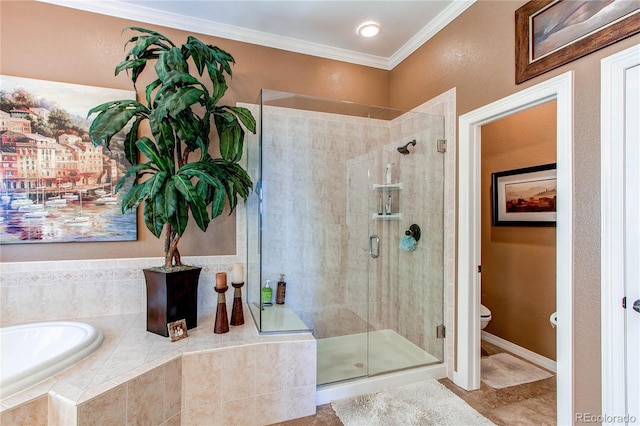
237 316
222 323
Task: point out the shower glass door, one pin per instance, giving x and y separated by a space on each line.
325 217
406 205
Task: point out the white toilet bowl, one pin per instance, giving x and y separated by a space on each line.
485 316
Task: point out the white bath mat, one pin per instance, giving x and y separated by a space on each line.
424 403
503 370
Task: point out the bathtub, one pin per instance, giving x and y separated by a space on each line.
33 352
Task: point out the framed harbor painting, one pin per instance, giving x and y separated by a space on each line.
55 185
551 33
525 197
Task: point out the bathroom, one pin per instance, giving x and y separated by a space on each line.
518 262
41 281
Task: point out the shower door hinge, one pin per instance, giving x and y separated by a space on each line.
442 145
440 331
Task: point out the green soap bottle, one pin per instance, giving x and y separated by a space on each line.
267 294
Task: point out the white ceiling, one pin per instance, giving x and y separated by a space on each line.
324 28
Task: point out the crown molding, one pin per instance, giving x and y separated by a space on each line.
202 26
442 20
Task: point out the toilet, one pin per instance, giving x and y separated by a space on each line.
485 316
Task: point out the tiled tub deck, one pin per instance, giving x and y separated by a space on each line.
137 377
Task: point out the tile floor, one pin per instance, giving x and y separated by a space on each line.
526 404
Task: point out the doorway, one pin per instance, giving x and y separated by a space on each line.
620 236
518 256
467 374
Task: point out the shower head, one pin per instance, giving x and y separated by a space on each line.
404 150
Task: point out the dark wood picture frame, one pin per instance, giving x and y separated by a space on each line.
535 204
528 67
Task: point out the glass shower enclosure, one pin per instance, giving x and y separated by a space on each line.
348 206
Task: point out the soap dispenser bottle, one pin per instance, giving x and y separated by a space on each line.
281 290
389 173
267 294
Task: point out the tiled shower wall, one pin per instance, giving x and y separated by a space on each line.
307 233
318 204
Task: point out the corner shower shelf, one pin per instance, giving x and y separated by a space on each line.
395 216
387 186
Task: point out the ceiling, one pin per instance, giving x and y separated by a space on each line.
324 28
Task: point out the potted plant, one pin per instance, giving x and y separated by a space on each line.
173 173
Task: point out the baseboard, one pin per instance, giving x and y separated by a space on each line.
533 357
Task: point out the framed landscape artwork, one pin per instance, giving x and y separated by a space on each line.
55 186
551 33
525 197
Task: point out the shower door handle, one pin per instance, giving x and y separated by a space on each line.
374 246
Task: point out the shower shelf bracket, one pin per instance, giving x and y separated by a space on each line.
387 186
397 216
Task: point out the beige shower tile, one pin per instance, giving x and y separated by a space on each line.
33 413
173 421
145 398
301 402
207 414
272 408
271 365
298 131
30 393
62 411
172 388
109 408
128 296
66 392
201 379
318 134
66 300
239 372
301 364
237 412
34 301
97 298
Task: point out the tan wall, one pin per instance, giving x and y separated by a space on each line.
519 263
475 54
55 43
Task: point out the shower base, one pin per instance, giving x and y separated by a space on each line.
343 370
345 357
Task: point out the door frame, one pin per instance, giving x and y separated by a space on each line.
612 291
467 373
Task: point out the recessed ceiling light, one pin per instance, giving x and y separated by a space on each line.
369 29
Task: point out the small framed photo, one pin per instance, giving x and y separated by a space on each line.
525 197
178 330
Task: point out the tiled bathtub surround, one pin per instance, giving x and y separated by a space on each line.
138 377
43 291
55 290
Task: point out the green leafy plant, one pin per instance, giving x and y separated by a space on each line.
173 173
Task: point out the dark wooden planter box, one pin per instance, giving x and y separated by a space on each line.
171 296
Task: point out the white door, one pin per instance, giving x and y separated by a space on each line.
632 240
620 253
